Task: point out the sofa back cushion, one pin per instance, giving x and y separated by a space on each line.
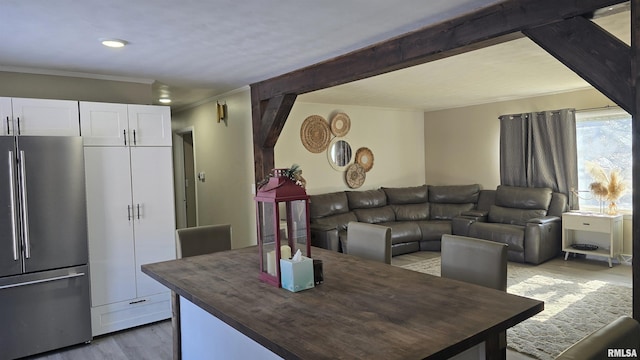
375 215
523 197
454 194
513 216
407 195
328 204
448 211
366 199
411 212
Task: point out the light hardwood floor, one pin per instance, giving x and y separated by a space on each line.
153 342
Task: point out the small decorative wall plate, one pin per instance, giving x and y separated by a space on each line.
364 157
315 134
340 124
355 176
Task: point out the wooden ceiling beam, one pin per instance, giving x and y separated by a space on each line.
591 52
274 118
468 32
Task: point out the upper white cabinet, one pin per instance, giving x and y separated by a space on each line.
22 116
6 114
107 124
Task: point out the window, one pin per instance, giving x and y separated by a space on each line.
604 138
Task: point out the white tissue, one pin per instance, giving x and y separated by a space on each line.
297 257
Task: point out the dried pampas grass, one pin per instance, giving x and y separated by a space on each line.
608 187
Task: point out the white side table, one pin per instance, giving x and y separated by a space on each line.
602 230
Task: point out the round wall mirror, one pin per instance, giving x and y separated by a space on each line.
339 154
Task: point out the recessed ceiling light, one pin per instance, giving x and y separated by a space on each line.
113 43
165 100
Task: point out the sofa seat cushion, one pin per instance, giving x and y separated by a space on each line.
339 221
433 229
403 231
504 215
411 212
512 235
375 215
439 211
366 199
407 195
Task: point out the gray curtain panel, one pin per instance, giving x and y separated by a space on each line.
539 150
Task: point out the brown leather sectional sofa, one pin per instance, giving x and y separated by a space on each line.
527 219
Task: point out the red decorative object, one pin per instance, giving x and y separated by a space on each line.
281 194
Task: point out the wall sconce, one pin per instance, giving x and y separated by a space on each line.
222 112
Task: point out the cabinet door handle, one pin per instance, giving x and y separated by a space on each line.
135 142
12 196
138 206
18 126
25 209
8 130
124 136
586 223
129 212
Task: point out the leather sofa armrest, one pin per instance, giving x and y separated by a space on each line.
460 225
475 213
542 239
324 236
544 220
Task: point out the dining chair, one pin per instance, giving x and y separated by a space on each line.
369 241
476 261
192 241
201 240
479 262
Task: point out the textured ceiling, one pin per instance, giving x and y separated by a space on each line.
196 49
513 70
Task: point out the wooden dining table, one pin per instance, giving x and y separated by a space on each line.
363 309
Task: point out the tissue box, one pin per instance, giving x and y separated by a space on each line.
296 275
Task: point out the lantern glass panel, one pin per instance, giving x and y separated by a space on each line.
297 225
268 225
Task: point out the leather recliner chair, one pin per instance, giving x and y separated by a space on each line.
529 220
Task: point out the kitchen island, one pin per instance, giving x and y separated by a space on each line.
364 309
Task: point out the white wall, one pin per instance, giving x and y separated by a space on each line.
394 136
225 154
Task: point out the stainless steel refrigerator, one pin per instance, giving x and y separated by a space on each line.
44 280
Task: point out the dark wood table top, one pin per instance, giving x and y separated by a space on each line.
363 310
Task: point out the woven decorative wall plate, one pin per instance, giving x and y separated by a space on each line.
315 134
355 176
364 157
340 124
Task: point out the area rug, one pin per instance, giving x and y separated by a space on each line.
573 308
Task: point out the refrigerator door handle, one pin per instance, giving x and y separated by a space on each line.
56 278
25 210
12 196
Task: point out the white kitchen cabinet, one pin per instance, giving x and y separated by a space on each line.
107 124
6 115
46 117
131 223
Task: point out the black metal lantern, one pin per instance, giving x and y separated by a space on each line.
279 236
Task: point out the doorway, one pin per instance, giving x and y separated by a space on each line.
185 178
